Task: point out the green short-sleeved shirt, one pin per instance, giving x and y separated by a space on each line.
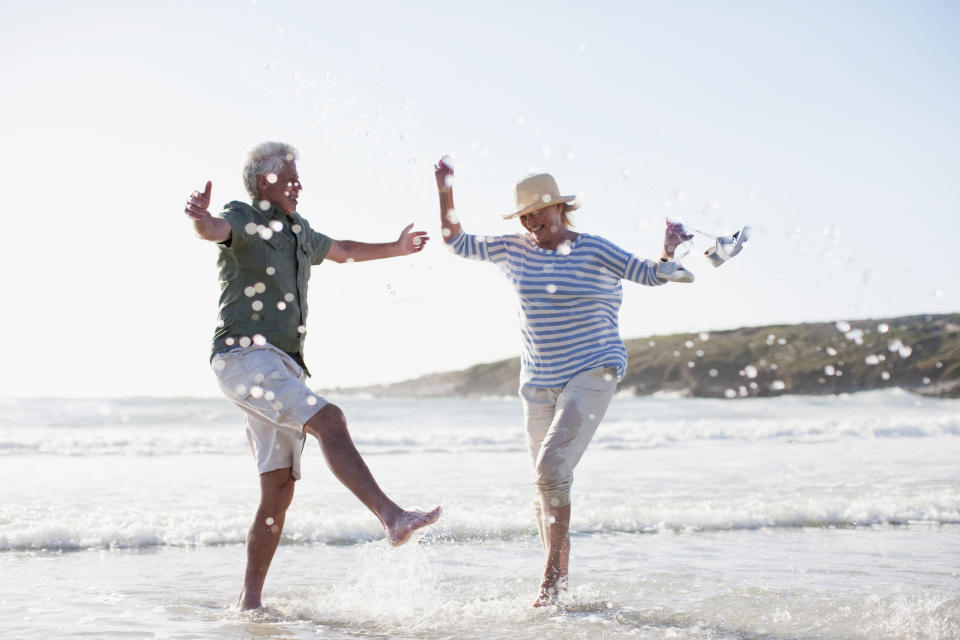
264 270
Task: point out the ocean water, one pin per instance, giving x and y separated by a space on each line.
791 517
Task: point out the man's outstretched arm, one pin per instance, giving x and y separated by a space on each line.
351 251
207 226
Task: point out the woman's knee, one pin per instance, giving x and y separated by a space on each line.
553 487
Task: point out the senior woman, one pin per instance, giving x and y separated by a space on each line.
569 291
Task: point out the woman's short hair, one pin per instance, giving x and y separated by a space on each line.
263 159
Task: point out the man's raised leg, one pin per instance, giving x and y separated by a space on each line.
276 493
329 427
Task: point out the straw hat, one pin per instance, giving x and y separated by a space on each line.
537 191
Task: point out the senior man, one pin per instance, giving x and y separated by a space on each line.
266 253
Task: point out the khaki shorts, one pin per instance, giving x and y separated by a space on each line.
560 424
269 386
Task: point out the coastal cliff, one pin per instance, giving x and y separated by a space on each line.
919 353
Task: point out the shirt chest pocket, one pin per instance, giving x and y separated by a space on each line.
280 252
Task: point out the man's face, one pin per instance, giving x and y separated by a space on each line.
281 189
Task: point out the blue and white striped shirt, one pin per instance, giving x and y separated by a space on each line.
569 300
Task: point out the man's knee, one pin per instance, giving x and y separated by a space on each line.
276 489
328 419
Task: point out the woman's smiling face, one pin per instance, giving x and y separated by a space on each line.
546 226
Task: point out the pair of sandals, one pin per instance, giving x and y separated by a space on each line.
724 248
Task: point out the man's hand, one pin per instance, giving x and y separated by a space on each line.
207 226
199 203
411 242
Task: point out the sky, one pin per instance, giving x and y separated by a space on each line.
830 128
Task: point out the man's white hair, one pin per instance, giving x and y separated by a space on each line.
264 159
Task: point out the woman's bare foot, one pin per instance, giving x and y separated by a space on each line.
550 591
400 531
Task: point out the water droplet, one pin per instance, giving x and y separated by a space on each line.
843 326
446 232
264 205
905 351
256 305
704 336
713 373
691 364
551 288
259 340
452 216
265 232
829 370
311 400
250 228
688 344
750 371
730 393
608 377
545 151
244 342
259 287
269 520
301 329
699 353
885 375
883 327
240 390
271 271
276 225
289 297
230 342
281 305
272 178
831 351
777 385
872 359
218 365
296 228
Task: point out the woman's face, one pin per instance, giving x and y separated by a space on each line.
546 225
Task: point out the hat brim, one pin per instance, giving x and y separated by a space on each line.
543 205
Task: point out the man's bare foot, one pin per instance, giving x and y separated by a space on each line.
245 603
400 531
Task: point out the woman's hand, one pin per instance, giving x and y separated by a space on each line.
673 237
443 171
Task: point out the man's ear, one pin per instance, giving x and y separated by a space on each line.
261 183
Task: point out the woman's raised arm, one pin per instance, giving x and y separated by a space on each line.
449 224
